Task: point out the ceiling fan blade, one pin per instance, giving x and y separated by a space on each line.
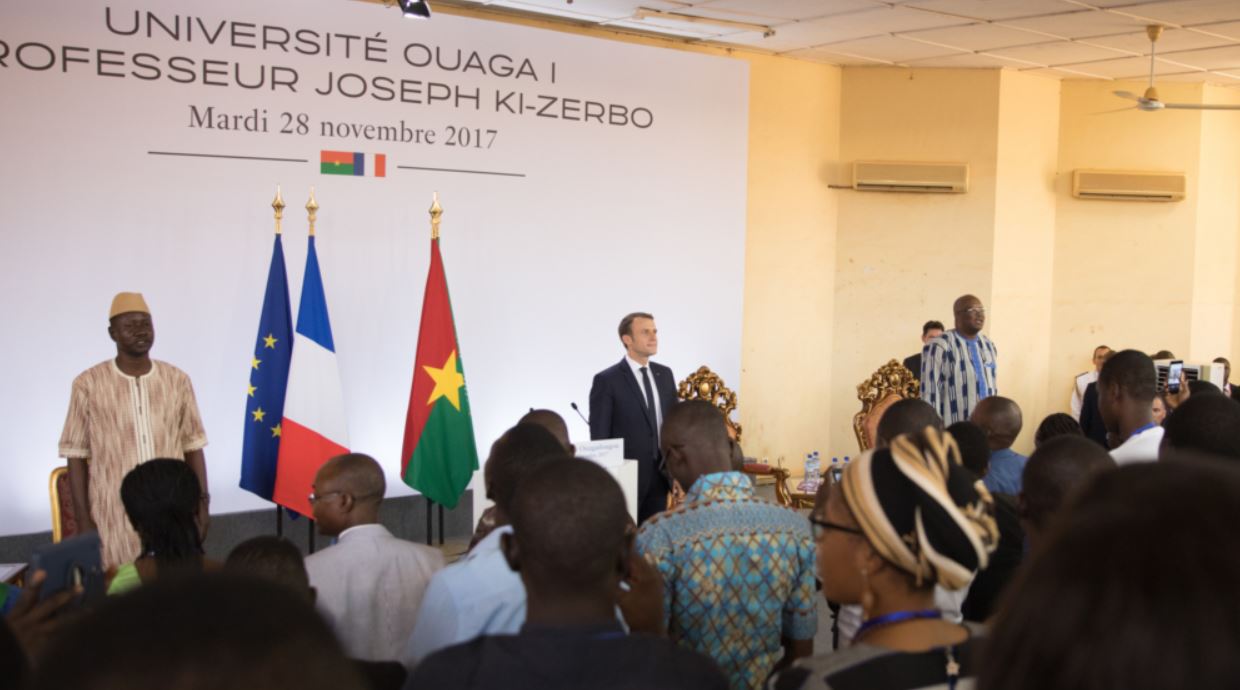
1127 94
1117 110
1199 106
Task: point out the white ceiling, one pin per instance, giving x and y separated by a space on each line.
1074 39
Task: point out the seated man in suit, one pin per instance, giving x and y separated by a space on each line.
370 584
629 400
929 331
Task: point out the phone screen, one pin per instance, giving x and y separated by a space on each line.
1174 375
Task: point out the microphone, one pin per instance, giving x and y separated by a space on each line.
578 411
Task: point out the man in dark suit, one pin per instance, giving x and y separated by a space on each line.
629 400
929 331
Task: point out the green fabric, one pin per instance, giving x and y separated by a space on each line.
445 458
126 579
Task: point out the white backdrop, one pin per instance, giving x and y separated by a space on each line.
594 219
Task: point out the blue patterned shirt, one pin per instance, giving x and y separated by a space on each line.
738 574
950 381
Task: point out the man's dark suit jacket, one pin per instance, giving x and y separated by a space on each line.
1091 416
913 364
618 410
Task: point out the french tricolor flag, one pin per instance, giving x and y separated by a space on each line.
313 429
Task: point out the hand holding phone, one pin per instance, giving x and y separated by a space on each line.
1175 376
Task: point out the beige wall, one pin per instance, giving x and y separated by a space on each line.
1024 245
1214 272
902 259
789 249
1115 260
838 282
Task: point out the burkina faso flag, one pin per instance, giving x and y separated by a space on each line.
439 455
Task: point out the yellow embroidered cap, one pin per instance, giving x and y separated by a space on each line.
125 302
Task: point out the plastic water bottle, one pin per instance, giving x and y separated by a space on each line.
837 470
807 484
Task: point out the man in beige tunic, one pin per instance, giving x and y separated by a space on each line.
123 412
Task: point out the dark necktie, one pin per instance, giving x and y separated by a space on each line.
649 397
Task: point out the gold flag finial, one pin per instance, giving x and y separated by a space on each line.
312 210
436 212
278 205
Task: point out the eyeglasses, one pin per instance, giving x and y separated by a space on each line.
316 497
821 526
973 311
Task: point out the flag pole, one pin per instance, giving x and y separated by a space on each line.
312 210
277 205
436 212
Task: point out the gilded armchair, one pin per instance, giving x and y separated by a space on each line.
890 383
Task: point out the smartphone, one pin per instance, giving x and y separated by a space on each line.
76 561
1175 374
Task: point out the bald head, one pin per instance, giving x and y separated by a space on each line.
906 416
970 315
1000 418
356 473
695 441
552 422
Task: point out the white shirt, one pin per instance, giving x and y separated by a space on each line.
1142 447
477 595
1078 391
370 585
637 373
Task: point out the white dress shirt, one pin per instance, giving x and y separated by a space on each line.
1078 391
1142 447
637 374
477 595
370 585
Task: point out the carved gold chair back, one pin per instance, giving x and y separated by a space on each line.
890 383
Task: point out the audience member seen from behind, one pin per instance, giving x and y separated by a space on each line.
929 331
571 546
201 632
901 521
738 571
1082 381
1204 424
973 446
1135 588
274 559
977 601
370 584
1126 388
908 416
1001 420
480 594
1055 425
1054 471
548 420
277 560
162 499
905 416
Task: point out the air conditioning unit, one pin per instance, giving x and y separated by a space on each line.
888 176
1192 372
1127 185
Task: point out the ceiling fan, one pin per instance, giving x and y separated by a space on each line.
1149 100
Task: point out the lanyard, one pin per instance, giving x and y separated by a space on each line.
895 617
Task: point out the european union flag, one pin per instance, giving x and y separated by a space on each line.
264 403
